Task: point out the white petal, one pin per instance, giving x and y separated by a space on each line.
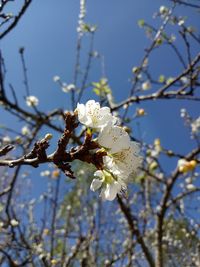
126 161
81 113
91 105
99 174
105 111
110 191
135 148
96 184
122 142
181 162
114 138
108 161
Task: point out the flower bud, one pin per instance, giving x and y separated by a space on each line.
141 112
48 136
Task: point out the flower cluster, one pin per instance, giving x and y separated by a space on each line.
122 157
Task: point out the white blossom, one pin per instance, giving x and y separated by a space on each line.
114 138
190 187
9 15
195 125
25 130
14 222
181 22
92 115
188 180
163 10
183 113
146 85
32 101
109 186
172 38
45 173
184 80
158 208
125 161
18 139
181 162
67 87
6 139
69 207
56 78
95 54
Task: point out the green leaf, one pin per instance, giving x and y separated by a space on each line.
96 91
101 88
161 79
141 23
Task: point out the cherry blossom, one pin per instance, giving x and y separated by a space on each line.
125 161
32 101
93 116
109 186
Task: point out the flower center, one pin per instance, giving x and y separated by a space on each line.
120 156
108 178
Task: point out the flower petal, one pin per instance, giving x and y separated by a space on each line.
114 138
81 113
99 174
96 184
124 162
110 191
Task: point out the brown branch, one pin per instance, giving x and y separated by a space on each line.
39 118
5 150
10 192
163 208
5 191
181 196
155 96
9 258
132 222
74 252
24 68
61 158
186 3
161 94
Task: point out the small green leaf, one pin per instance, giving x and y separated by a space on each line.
161 79
141 23
96 91
101 88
